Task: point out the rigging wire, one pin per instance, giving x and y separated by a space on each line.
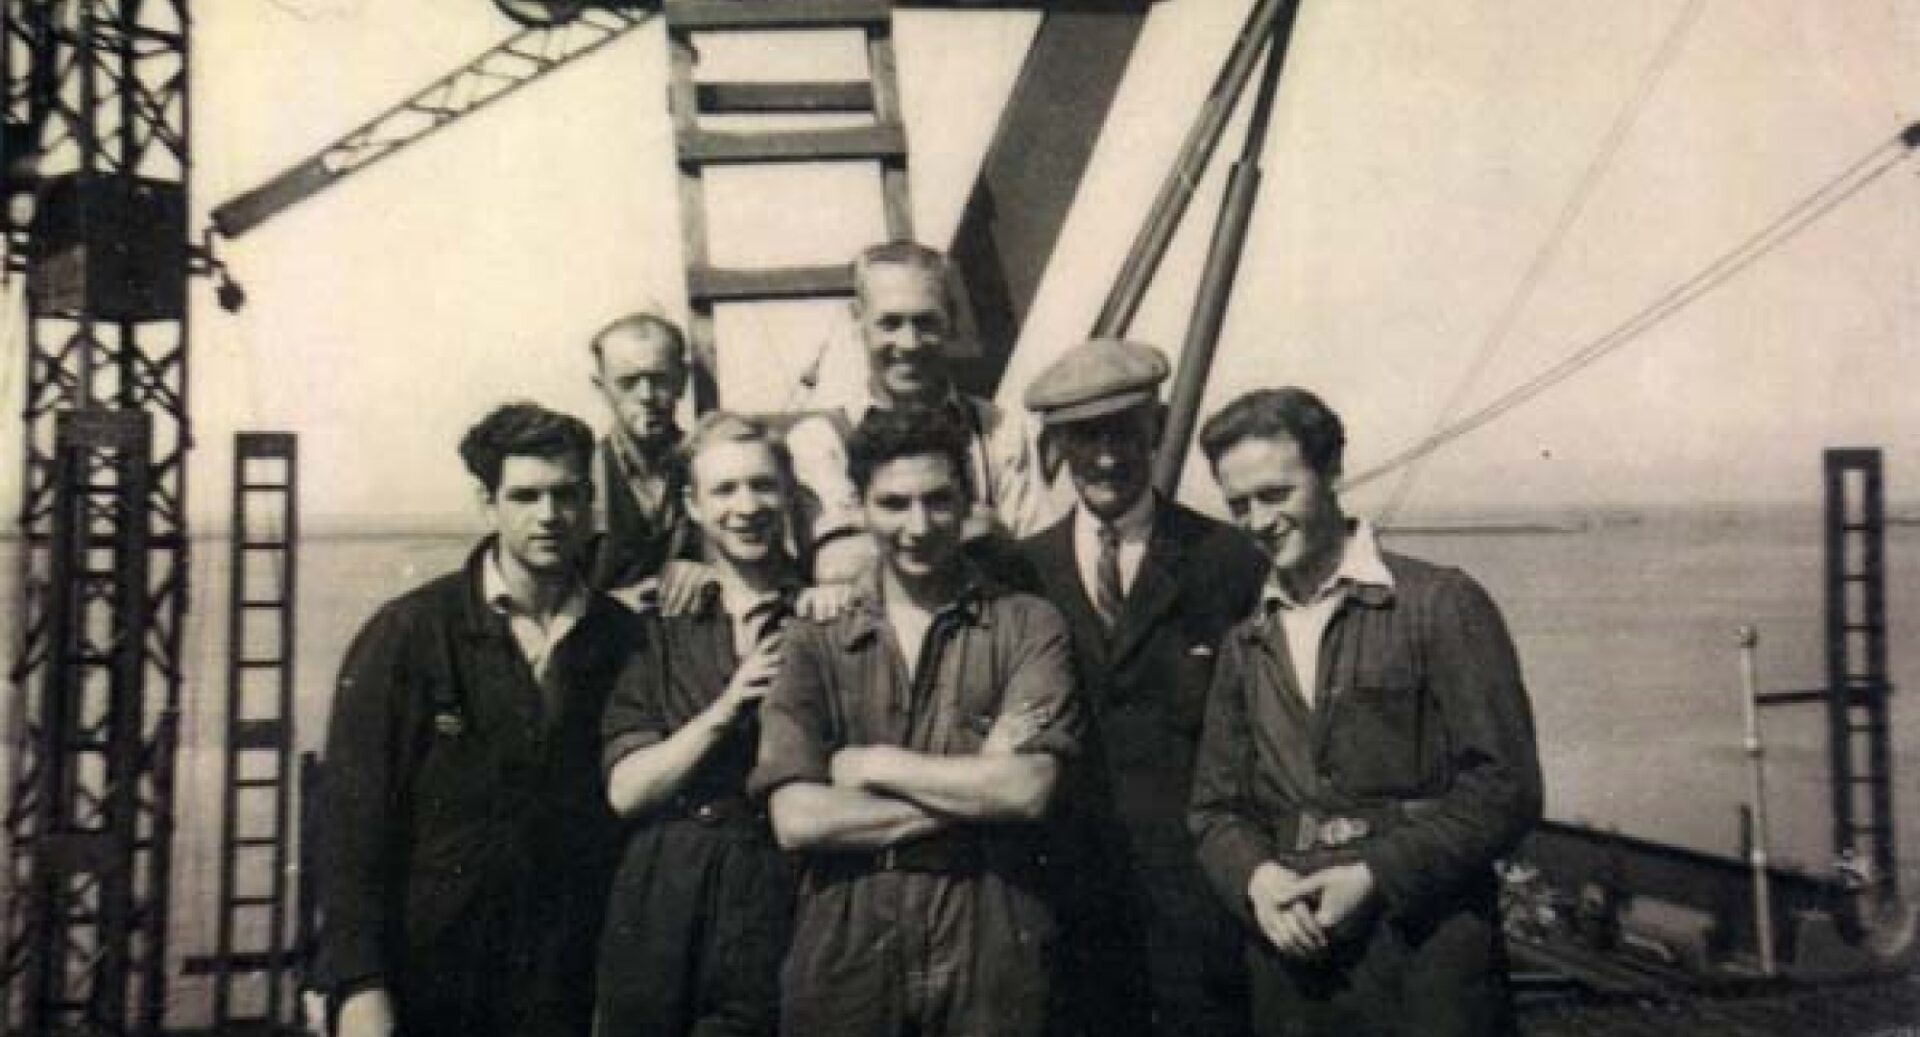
1549 253
1784 228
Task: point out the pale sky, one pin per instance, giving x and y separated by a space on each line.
1419 156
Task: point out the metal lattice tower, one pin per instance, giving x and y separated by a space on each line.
254 958
95 192
1858 686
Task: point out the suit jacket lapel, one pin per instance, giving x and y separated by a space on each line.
1155 587
1053 555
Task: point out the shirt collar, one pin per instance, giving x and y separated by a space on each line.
498 594
1135 524
864 618
1361 571
627 454
864 401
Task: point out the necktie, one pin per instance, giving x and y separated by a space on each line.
1107 593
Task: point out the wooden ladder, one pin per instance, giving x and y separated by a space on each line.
700 148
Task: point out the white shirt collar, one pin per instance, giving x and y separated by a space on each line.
1134 525
1360 566
500 598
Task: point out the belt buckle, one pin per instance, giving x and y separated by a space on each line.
706 814
1339 831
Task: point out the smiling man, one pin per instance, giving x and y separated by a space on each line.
1148 588
698 917
905 315
908 750
465 843
1368 753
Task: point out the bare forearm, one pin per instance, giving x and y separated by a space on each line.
810 816
646 778
984 787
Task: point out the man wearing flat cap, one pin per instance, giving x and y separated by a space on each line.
1149 589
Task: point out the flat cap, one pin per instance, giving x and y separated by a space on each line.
1096 378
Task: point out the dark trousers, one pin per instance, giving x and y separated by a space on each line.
696 928
1437 977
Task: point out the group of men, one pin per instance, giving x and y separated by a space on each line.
835 732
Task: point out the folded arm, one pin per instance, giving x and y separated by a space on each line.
811 816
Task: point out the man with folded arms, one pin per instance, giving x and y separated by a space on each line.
908 749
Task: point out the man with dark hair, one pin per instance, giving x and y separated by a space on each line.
1149 589
465 841
904 311
907 750
698 918
1368 753
649 553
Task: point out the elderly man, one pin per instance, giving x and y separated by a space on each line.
466 845
1149 588
649 552
907 751
905 315
1369 752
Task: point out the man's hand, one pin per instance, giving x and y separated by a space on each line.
1013 730
754 676
859 766
1340 892
826 601
682 584
366 1013
1287 920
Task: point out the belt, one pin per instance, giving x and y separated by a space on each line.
949 853
717 811
1314 830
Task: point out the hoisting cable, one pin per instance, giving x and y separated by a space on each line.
1602 162
1870 167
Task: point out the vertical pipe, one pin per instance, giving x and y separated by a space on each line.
1223 266
1757 795
1170 205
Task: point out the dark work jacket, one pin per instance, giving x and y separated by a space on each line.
465 840
1146 683
1420 698
635 545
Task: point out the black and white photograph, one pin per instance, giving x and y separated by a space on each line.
959 518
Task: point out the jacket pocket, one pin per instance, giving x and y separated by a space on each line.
1376 741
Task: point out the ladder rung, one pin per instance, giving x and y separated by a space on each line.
712 15
264 603
259 734
263 486
252 901
256 841
256 783
261 664
700 147
784 98
730 285
242 961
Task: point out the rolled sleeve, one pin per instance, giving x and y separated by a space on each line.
820 467
796 735
1495 795
360 805
1228 841
633 718
1042 682
1019 502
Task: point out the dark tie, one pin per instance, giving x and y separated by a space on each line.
1107 593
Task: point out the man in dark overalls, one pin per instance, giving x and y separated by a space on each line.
1149 588
1369 752
697 921
465 840
909 749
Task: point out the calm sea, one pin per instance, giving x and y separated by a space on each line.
1626 630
